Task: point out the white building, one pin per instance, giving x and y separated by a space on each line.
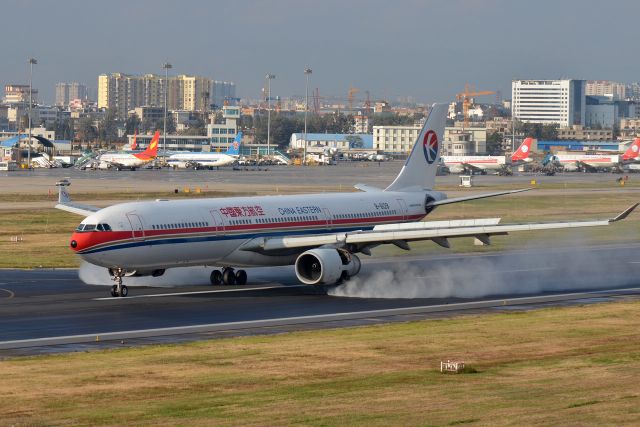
395 139
224 133
549 101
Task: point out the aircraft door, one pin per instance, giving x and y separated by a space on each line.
137 229
327 217
403 209
218 221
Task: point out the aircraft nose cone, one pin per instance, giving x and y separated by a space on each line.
74 244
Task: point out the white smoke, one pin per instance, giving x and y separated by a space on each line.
526 272
182 276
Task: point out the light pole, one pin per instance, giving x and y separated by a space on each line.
32 62
269 77
307 73
166 67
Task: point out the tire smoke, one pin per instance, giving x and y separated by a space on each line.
525 272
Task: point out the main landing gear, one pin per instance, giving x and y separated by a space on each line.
228 277
118 290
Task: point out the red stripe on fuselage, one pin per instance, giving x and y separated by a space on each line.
93 239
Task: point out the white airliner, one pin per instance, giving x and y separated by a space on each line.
131 161
207 160
482 164
597 162
320 234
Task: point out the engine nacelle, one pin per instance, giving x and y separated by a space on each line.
326 266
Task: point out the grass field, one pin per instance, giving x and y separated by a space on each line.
559 366
45 232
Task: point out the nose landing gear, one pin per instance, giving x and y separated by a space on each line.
118 290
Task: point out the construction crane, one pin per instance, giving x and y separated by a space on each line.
465 96
352 92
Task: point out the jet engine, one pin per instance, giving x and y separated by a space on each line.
326 266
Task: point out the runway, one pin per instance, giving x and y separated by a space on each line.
53 311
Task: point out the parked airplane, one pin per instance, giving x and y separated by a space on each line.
320 234
207 160
131 161
482 164
596 162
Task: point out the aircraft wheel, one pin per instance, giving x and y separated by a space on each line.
241 278
229 277
114 291
124 291
216 278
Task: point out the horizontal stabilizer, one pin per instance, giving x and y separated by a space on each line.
475 197
367 188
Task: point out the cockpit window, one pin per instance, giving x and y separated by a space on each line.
93 227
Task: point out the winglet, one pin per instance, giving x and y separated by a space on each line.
625 214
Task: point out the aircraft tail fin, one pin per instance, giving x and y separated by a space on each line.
419 171
633 151
134 144
234 148
522 153
152 150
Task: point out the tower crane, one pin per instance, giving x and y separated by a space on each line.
465 96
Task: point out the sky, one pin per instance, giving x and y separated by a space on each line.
424 49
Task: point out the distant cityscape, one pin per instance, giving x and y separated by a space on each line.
202 114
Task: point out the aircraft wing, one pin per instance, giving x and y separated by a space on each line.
401 234
66 204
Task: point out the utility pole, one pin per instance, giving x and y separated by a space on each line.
32 62
166 67
269 77
307 73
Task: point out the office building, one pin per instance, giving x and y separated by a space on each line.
67 92
221 92
559 102
124 92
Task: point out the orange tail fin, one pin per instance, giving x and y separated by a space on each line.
152 150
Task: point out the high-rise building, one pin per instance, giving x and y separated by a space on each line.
124 92
19 94
616 91
549 101
221 91
67 92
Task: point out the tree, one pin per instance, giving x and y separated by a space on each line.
494 143
86 131
108 127
132 124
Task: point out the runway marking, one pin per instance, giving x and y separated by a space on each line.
298 320
174 294
11 293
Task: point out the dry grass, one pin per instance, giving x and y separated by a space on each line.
569 366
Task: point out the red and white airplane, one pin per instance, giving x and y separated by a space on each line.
597 162
320 234
123 160
482 164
